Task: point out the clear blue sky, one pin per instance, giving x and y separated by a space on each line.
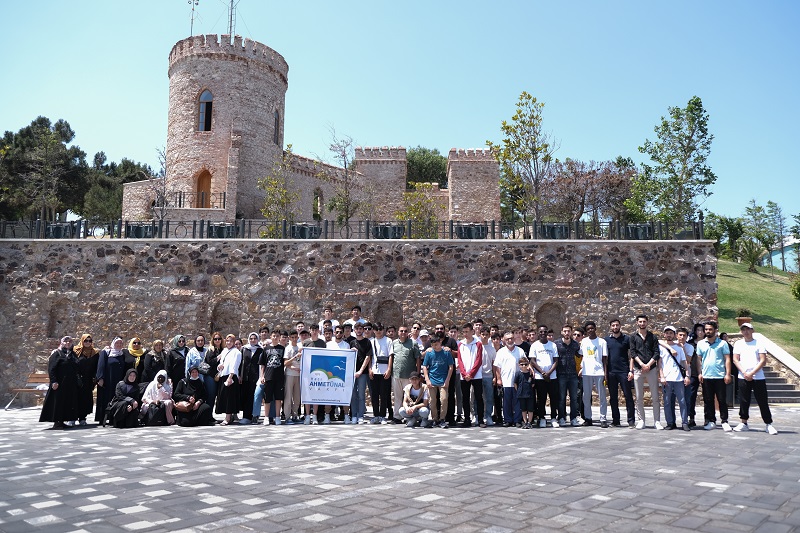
440 74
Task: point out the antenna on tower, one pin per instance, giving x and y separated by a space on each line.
232 17
193 3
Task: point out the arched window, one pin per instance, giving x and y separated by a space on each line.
203 192
277 137
204 121
318 205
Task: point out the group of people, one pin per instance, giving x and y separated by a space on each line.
473 374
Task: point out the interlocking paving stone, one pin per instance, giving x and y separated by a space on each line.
390 478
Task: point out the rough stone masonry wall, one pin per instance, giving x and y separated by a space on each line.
156 289
473 178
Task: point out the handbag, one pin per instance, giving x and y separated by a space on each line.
204 367
216 376
183 407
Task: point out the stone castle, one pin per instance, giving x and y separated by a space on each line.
225 131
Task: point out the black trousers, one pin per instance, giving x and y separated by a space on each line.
545 388
380 391
477 390
758 387
615 381
715 388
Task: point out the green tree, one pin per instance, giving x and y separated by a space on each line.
103 199
280 201
426 165
422 210
526 151
678 178
761 227
779 227
750 251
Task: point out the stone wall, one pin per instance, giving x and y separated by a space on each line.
156 289
473 179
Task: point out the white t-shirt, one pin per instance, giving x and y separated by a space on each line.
382 349
668 366
294 368
508 363
487 361
334 323
337 345
593 350
750 354
545 355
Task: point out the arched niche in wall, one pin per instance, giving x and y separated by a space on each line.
550 314
389 313
203 190
227 317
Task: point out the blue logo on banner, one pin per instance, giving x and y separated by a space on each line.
333 367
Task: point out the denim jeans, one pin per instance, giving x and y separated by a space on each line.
511 411
488 399
358 405
568 384
675 390
211 389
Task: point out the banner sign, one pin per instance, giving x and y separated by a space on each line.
326 376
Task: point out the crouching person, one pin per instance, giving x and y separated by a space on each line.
415 402
123 411
191 401
157 402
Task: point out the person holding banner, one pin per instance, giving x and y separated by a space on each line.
338 343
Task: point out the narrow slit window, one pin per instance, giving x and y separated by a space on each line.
206 102
276 137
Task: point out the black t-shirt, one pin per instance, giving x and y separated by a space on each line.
525 346
272 360
319 343
364 349
618 357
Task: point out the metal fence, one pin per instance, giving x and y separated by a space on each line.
362 229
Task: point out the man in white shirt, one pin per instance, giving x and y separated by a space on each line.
487 369
750 356
327 314
355 317
543 358
506 366
593 372
674 374
380 373
470 359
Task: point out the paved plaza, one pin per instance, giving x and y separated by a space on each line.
392 478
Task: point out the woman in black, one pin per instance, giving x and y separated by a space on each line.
135 359
176 360
123 411
88 358
62 400
110 371
196 409
212 358
154 360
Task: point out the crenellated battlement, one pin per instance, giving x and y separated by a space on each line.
222 47
470 154
381 153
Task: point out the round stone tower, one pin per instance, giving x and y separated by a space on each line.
225 125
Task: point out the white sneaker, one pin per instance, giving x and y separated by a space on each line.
709 426
726 427
640 424
771 429
542 423
307 420
327 419
658 425
742 426
362 421
574 423
555 423
347 419
384 421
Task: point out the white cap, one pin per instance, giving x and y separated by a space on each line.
671 328
746 325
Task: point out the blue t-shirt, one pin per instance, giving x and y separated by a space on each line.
713 357
438 364
524 381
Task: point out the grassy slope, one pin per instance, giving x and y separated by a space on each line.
775 312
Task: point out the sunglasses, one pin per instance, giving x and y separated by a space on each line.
414 327
217 338
368 329
88 340
137 343
182 340
403 331
523 364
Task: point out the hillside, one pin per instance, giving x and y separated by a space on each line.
775 312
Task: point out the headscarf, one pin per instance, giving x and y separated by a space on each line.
113 352
189 374
158 356
253 346
152 393
129 387
175 346
79 351
66 341
137 353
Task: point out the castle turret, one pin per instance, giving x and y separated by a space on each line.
473 177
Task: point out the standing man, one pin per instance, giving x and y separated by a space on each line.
750 356
715 375
489 379
470 358
543 358
567 349
693 360
593 372
674 373
645 355
327 314
380 374
506 366
437 368
620 373
364 355
355 317
406 357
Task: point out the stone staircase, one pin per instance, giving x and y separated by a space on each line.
779 390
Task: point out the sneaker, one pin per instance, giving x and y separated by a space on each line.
616 423
444 424
384 421
587 422
327 419
686 427
692 423
375 420
409 423
278 421
658 425
574 422
709 426
631 425
396 421
245 422
347 419
314 419
669 427
490 422
69 423
771 429
604 424
726 427
482 425
83 422
562 422
542 423
640 424
555 423
307 420
742 427
520 424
